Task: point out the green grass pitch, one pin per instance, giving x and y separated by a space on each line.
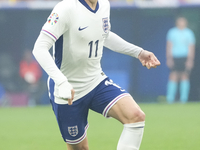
168 127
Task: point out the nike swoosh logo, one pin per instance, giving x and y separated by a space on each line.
80 29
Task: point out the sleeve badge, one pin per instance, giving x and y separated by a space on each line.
53 18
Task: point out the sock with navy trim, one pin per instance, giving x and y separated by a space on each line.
131 136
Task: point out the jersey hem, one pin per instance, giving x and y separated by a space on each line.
90 89
93 85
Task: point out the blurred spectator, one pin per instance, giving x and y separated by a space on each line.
8 74
180 59
9 79
31 73
29 69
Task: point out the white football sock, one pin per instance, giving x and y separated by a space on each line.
131 136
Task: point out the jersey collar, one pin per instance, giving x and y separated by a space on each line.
88 7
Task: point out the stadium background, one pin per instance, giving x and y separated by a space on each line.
20 24
143 22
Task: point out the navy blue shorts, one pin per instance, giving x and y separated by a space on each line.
72 119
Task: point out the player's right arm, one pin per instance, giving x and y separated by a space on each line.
42 55
170 61
169 57
56 25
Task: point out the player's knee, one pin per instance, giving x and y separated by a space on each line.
85 147
173 76
136 116
139 116
78 147
184 76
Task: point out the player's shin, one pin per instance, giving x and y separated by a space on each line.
131 136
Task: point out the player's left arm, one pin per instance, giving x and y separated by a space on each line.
117 44
191 51
190 58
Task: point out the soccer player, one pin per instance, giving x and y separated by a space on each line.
78 31
180 59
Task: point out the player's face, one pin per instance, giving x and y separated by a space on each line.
181 23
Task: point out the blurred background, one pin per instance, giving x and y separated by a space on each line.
142 22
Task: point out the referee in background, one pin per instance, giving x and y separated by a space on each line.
180 53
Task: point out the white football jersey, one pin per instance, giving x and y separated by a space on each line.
79 33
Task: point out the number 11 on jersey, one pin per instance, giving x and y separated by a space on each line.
91 48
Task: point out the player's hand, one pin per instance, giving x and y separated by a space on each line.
66 92
148 59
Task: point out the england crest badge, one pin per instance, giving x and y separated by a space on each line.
73 131
105 25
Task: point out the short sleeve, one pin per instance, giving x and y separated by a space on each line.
58 22
169 35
